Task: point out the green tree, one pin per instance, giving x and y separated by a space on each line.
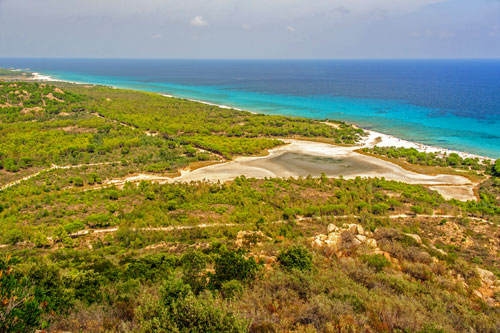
496 168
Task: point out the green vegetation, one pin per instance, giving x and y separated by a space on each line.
296 257
413 156
81 254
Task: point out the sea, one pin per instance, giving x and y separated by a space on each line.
453 104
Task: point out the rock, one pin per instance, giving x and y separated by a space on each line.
334 237
317 243
441 251
415 237
361 238
371 243
333 246
477 293
352 244
354 228
491 301
332 228
486 276
361 231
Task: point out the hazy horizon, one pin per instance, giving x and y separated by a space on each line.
229 29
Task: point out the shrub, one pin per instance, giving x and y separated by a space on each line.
417 209
230 289
231 265
14 236
296 257
78 181
418 271
193 267
376 261
380 208
19 310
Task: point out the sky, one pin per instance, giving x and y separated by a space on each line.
268 29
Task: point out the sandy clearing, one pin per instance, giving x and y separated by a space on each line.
303 158
462 193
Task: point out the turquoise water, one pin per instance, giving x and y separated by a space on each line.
455 106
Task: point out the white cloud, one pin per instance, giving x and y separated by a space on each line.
157 36
199 21
246 27
290 28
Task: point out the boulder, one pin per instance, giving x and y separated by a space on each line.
333 228
371 243
486 276
361 238
354 228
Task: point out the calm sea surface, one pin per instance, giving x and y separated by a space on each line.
448 103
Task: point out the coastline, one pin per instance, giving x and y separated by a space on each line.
373 138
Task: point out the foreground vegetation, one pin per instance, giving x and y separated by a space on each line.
142 277
78 254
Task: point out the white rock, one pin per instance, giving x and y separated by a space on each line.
361 231
332 245
352 228
317 243
486 276
371 242
333 228
361 238
333 237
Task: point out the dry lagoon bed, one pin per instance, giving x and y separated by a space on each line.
303 158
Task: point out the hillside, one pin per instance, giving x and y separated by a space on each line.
260 255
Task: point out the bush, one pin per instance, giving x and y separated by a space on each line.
13 236
230 289
193 267
418 271
19 310
296 257
376 261
78 181
231 265
191 314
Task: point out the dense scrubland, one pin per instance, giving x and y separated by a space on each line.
80 255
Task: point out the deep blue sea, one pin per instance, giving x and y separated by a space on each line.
453 104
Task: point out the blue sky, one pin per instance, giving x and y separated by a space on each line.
250 29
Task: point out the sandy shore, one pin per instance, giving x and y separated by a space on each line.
384 140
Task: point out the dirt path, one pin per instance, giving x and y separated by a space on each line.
85 232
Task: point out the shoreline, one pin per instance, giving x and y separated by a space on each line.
374 138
